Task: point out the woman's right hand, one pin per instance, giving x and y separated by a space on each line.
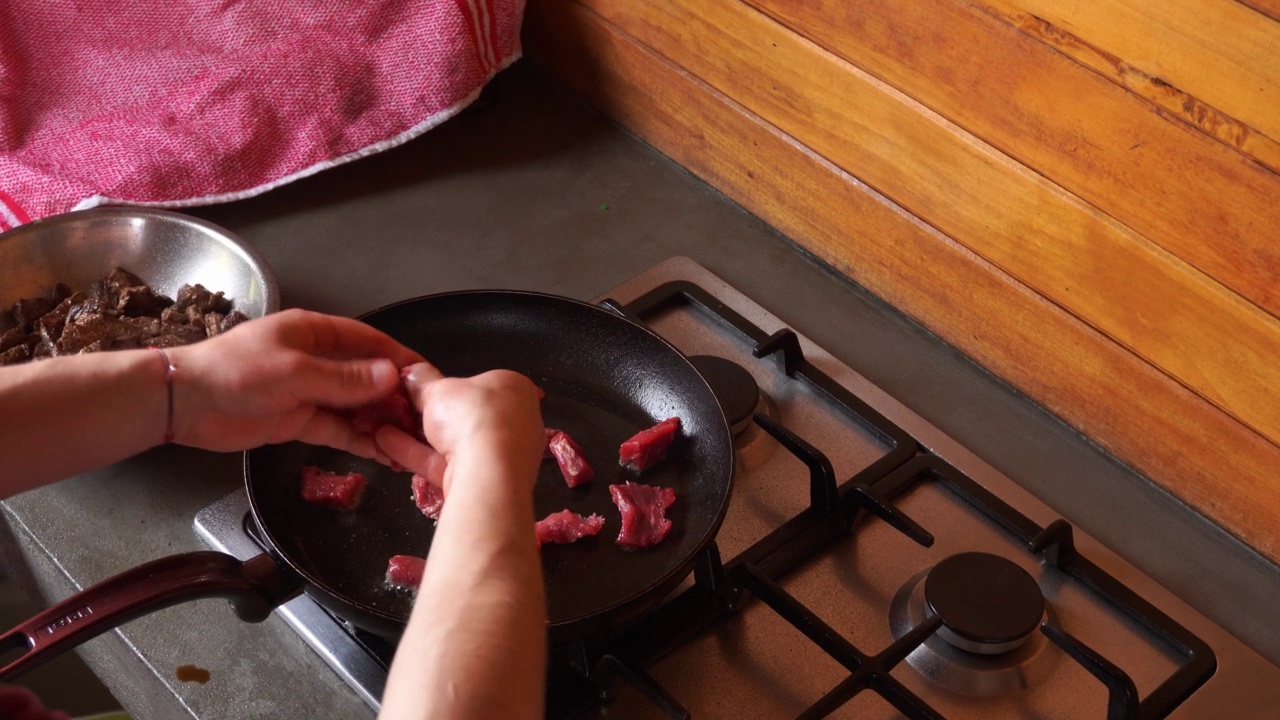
493 417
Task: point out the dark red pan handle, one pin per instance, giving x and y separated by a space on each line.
255 587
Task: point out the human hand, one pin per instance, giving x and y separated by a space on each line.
281 378
493 418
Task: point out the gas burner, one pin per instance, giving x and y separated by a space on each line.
733 386
988 604
988 644
742 399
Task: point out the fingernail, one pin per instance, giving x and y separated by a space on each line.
412 373
383 372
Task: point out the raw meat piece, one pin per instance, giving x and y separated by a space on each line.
569 457
428 497
405 571
338 491
647 447
546 447
567 526
643 508
396 410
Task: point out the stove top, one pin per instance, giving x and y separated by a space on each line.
869 567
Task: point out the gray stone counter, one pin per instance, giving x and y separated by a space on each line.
529 189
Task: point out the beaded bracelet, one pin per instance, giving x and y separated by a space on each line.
168 381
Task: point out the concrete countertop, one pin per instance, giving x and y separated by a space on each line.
529 189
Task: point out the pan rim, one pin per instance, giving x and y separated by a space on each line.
670 578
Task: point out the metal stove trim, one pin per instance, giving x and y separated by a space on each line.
220 525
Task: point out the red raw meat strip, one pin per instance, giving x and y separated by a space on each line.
427 497
648 446
643 508
546 449
338 491
396 410
569 457
405 571
567 526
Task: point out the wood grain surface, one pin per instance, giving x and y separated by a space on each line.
1115 279
1083 132
1223 54
1159 363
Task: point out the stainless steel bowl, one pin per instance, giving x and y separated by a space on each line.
165 249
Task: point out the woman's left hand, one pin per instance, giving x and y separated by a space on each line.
282 378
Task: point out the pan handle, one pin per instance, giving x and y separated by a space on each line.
255 587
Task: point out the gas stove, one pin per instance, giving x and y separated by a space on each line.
869 567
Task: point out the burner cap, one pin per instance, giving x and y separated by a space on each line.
733 386
988 604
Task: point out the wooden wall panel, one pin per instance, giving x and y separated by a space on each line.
1079 129
1269 8
1114 396
1224 55
1116 280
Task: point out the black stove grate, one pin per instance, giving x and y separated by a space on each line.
834 511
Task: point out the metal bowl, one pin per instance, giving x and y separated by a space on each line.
165 249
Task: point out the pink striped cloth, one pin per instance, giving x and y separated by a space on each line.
189 102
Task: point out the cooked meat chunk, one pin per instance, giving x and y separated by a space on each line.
120 311
427 496
573 465
14 355
202 299
186 333
49 327
12 338
336 490
173 316
141 300
647 447
61 291
405 571
233 318
567 526
213 323
28 310
643 508
90 308
114 333
119 280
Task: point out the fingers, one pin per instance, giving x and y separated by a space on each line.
342 383
339 337
416 379
332 430
413 455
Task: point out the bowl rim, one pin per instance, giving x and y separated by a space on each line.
235 243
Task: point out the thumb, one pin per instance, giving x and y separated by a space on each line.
345 383
417 378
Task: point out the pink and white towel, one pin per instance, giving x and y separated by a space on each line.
190 102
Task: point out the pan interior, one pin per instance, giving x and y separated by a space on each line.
605 379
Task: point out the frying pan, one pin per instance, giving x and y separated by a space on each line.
605 378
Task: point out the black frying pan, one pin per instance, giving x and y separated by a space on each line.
605 378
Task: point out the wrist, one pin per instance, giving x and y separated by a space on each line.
167 367
492 469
